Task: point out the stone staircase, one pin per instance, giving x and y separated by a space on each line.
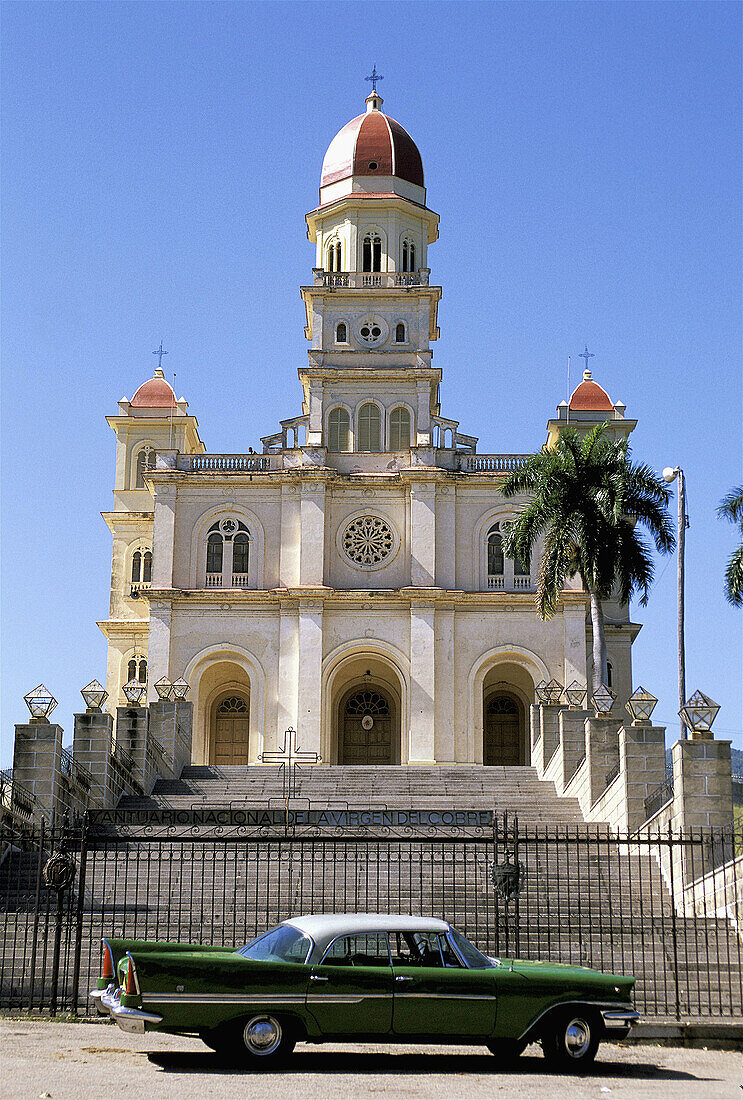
513 790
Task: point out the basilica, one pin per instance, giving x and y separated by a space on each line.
349 581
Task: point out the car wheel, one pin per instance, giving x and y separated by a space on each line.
571 1041
266 1037
505 1050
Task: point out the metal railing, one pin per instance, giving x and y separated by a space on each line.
575 894
658 798
15 800
613 774
75 772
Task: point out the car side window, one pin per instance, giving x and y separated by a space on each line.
416 949
366 949
447 954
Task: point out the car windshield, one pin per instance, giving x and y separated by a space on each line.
472 957
282 944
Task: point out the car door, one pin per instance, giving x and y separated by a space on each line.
434 994
350 991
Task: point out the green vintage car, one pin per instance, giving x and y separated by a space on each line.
360 977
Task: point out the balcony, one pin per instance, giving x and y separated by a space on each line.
223 463
497 583
366 280
491 464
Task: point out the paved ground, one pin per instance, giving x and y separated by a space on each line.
83 1061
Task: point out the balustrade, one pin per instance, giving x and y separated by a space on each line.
214 580
227 463
355 280
239 580
492 464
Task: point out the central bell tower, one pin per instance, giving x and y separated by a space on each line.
371 313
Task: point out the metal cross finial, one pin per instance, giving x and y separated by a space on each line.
374 76
586 355
159 352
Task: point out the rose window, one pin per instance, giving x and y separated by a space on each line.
368 540
371 331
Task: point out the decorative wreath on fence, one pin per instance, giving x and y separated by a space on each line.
507 878
59 871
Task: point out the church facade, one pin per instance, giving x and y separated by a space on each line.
350 581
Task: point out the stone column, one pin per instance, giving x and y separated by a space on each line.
572 729
171 724
315 426
37 762
602 753
702 785
288 675
444 642
131 735
421 745
289 557
423 417
312 523
422 534
92 743
310 676
642 760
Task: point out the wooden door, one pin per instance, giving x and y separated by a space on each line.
366 735
232 731
502 733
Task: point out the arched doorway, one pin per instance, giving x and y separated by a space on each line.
365 727
231 729
502 730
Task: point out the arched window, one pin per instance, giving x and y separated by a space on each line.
400 332
339 424
241 554
408 254
609 674
142 674
341 333
496 560
136 669
370 428
371 253
131 670
145 461
136 567
334 256
147 566
399 430
214 557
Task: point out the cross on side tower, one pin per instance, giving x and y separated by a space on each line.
586 354
374 76
159 353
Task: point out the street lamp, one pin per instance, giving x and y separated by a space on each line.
641 705
575 693
41 703
95 696
669 475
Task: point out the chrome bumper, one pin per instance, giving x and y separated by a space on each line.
619 1019
134 1020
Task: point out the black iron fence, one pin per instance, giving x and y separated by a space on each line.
668 909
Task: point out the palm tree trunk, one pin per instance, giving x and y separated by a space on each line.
600 674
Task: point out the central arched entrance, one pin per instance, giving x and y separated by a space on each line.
502 729
230 739
365 727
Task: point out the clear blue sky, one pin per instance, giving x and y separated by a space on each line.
158 162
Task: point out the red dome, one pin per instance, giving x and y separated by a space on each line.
372 144
155 393
590 397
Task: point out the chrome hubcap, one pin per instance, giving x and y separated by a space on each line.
262 1035
577 1038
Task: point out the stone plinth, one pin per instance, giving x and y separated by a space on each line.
91 747
37 763
702 785
572 733
545 734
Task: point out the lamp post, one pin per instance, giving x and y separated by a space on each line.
669 475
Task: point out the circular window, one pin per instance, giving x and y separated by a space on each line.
368 541
373 165
371 331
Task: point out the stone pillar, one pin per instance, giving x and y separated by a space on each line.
310 677
289 558
422 534
37 763
423 417
92 743
545 734
131 736
444 641
312 524
315 426
642 761
171 724
446 558
158 645
702 785
572 732
602 753
421 746
288 675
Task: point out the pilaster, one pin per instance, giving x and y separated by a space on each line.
289 557
572 733
444 725
421 749
164 537
312 525
288 673
310 676
158 645
642 765
422 534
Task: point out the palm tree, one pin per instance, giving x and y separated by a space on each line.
732 508
587 500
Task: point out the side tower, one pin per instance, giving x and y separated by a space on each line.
152 423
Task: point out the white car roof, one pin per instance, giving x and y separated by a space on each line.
324 927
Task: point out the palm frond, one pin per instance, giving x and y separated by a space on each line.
731 506
734 577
